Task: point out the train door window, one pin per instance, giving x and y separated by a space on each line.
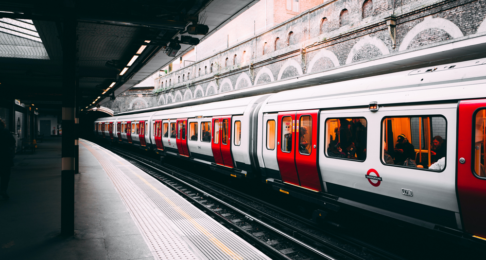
172 130
305 135
346 138
237 133
271 134
480 143
193 131
225 135
183 130
155 129
206 131
287 134
166 130
216 131
179 127
417 142
146 128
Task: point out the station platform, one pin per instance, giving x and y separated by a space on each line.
120 213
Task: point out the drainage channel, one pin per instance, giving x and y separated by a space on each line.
269 234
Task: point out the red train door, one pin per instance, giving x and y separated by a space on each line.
158 135
286 147
118 131
297 148
471 159
110 129
181 138
141 134
306 149
129 132
216 141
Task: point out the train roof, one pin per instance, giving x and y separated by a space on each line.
455 81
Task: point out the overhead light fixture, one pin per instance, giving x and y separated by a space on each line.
147 41
112 84
123 71
98 96
134 58
140 50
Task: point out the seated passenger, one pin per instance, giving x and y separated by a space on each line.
194 137
206 136
336 150
439 165
404 152
166 134
438 149
304 146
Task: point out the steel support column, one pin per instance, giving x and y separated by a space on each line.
68 113
76 127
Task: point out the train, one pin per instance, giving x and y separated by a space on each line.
408 145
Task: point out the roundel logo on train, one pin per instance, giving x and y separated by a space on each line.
372 178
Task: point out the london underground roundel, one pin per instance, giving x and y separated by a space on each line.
373 177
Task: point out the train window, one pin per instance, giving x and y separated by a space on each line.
216 131
237 133
172 130
142 129
193 131
287 128
417 142
155 129
159 129
305 135
183 130
166 130
206 131
271 134
480 143
346 138
225 135
179 127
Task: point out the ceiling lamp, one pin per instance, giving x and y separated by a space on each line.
123 71
134 58
140 50
112 84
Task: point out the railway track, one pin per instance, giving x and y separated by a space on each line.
277 232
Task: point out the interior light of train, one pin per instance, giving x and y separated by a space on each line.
374 106
123 71
140 50
147 41
134 58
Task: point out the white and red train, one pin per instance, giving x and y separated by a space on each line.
408 145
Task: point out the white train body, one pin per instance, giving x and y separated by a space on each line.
336 144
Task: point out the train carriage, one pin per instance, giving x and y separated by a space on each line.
408 145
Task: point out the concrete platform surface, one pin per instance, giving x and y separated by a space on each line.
120 213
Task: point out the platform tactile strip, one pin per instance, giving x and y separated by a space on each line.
172 227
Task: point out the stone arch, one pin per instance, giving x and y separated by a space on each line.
136 100
431 23
289 63
187 95
240 82
482 27
323 54
177 97
161 100
226 86
366 41
265 71
116 106
199 92
212 86
170 98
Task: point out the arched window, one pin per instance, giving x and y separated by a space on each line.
290 38
264 46
324 26
211 68
243 56
226 62
188 75
170 81
183 77
344 18
179 79
162 84
234 60
205 70
166 83
276 44
367 8
199 72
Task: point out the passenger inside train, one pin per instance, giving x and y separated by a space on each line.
305 135
480 143
407 142
206 131
347 138
173 130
